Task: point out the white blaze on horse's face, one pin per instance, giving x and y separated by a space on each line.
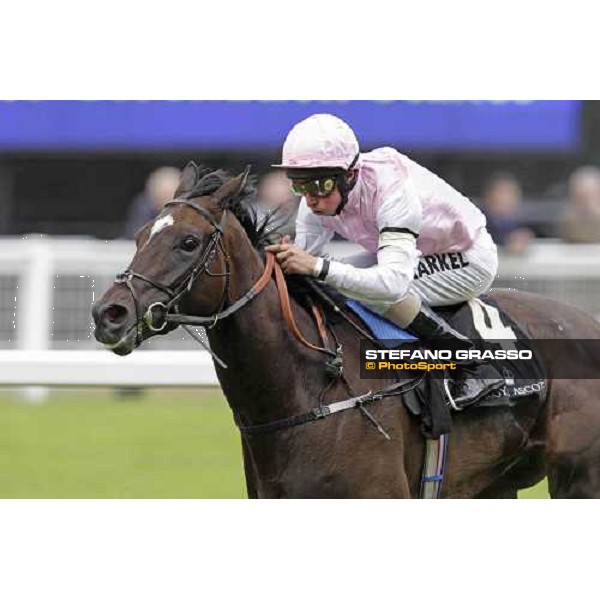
160 224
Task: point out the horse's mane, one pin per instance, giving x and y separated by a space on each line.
260 230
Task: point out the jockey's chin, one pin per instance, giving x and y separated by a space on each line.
324 206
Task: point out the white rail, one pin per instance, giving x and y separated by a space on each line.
88 368
29 324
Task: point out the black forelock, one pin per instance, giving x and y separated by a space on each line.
208 181
242 205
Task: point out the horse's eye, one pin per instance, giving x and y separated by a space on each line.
189 244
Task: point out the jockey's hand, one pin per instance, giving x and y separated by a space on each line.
292 259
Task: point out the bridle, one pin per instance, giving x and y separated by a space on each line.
184 284
169 311
171 314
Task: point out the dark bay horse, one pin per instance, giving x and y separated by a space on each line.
203 255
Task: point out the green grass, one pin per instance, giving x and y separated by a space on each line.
91 444
95 444
536 492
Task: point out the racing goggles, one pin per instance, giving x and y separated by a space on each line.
319 188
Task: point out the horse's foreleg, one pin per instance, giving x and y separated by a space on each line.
249 471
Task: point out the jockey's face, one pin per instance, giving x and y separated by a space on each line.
322 193
324 206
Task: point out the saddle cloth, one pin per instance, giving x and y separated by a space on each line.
478 319
385 331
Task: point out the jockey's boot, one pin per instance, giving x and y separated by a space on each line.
473 379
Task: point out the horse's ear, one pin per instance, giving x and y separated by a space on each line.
233 186
189 177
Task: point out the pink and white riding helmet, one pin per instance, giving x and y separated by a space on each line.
320 141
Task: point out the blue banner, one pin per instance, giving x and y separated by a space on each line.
242 125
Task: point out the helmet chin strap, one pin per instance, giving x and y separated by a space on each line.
345 188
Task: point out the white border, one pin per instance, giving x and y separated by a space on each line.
274 50
296 549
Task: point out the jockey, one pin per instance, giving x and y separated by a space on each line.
426 244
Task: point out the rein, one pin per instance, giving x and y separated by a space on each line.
256 289
334 365
202 266
169 315
176 290
284 299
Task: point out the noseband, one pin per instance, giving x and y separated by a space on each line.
170 311
174 292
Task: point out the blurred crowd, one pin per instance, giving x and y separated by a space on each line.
580 223
511 220
159 189
570 211
576 216
502 202
274 199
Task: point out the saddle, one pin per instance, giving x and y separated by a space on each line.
481 320
425 396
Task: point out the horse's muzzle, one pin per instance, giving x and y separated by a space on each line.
111 320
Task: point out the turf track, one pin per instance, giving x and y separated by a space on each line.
97 444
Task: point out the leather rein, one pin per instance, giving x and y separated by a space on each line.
168 313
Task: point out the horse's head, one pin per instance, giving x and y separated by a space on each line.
181 256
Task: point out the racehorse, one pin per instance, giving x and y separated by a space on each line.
203 256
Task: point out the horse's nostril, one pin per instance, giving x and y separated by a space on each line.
114 313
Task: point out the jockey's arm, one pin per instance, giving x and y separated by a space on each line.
399 223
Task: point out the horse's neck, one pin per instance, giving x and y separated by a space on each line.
269 375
